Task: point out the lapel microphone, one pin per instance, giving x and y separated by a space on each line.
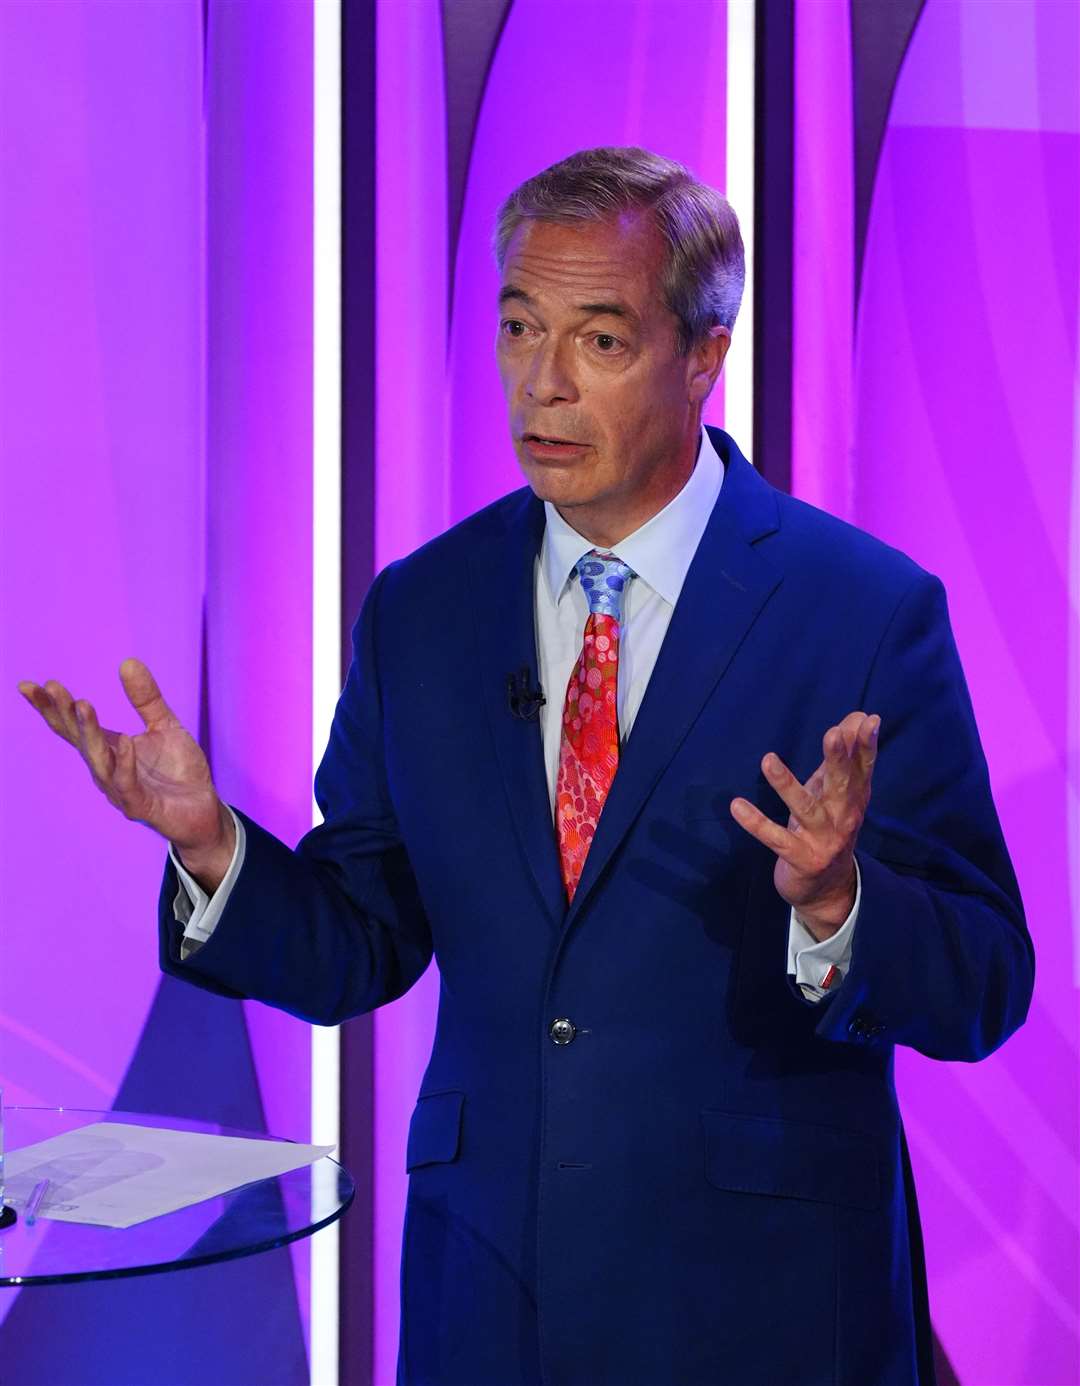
525 701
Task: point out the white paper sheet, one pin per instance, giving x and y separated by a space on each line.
115 1175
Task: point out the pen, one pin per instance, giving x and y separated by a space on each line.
33 1203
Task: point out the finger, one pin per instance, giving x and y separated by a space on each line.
840 745
836 766
124 779
64 704
859 731
145 696
40 701
849 729
96 750
867 744
798 799
127 793
779 840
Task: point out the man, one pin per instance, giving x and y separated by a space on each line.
657 1140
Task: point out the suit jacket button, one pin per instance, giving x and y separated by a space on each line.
562 1031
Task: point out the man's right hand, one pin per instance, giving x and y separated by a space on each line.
159 777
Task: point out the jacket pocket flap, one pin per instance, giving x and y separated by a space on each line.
791 1159
435 1129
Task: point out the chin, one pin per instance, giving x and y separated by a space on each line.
558 489
559 484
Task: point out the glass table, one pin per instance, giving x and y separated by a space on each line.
257 1217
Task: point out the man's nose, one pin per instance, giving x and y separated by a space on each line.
550 376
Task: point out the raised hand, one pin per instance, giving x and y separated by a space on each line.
159 777
815 853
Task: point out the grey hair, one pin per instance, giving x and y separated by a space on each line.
703 276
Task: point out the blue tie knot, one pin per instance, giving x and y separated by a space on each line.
603 580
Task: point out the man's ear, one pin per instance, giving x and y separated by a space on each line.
705 363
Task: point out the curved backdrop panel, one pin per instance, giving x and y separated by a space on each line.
964 453
155 477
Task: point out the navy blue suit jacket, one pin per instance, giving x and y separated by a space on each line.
708 1184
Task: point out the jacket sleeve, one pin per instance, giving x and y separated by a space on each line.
942 959
334 927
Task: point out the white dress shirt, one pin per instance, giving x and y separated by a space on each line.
660 553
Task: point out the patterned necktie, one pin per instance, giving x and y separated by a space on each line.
589 749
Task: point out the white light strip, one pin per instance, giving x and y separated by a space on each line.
739 367
326 598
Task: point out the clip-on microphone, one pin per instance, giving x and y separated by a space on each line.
525 701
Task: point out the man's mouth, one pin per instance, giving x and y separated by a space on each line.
550 445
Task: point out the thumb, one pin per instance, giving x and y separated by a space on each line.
145 696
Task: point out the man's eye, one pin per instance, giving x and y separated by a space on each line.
606 342
509 324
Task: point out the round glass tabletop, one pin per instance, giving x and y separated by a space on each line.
257 1217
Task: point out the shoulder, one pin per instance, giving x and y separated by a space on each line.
840 551
810 545
850 576
442 563
863 603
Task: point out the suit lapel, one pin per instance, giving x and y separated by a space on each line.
727 585
502 573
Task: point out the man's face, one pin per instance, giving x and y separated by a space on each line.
587 354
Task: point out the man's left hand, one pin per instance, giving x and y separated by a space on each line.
815 853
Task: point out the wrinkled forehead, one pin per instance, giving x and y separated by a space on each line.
610 261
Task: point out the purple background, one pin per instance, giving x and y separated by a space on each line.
955 438
155 416
155 499
965 455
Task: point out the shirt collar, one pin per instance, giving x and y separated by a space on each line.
661 550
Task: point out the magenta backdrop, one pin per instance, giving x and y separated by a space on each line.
822 259
101 547
131 492
155 418
259 468
964 430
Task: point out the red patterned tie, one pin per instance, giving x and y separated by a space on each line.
589 749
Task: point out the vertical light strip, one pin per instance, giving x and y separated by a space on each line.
1072 730
326 597
739 367
823 261
411 470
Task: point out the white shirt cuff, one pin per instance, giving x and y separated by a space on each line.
192 907
819 968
